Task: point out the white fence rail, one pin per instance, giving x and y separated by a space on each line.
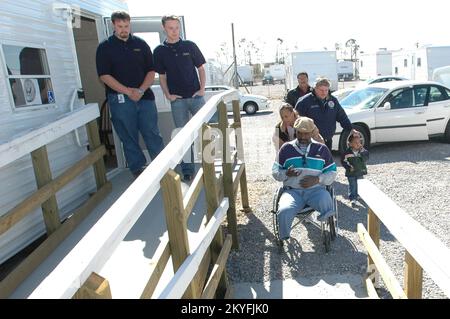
429 252
26 143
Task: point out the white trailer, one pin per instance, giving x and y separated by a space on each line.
403 64
47 56
278 72
419 64
246 74
315 63
43 57
345 70
375 64
427 59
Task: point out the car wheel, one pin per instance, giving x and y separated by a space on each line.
250 108
447 133
343 141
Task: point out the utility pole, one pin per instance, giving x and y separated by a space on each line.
235 76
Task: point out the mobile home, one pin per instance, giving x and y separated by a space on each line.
44 65
47 57
345 70
403 64
315 63
245 73
375 64
278 72
427 59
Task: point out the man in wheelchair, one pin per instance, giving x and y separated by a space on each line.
305 167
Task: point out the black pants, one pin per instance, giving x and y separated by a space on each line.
328 142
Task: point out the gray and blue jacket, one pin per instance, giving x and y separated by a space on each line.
316 161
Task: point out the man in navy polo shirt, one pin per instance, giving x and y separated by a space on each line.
325 110
125 65
177 62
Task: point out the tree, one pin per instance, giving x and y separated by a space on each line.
248 50
223 55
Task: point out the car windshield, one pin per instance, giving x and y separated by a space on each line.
363 99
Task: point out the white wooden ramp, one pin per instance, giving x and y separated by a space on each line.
343 286
129 268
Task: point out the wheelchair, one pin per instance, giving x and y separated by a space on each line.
329 228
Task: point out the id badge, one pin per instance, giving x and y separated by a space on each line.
121 98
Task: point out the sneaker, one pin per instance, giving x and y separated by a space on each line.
187 178
353 203
324 217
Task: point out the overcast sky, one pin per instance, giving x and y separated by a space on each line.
307 25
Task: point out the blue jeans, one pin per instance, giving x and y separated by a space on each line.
353 187
130 118
294 200
181 111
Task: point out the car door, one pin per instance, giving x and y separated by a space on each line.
400 118
438 110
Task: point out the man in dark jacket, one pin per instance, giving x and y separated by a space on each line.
325 110
302 89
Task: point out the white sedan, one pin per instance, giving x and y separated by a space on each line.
397 111
250 103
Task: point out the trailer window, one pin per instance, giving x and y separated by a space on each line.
28 76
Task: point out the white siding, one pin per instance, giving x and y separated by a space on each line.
398 61
421 72
375 64
384 64
431 58
368 69
34 23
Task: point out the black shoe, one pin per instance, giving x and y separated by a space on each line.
187 177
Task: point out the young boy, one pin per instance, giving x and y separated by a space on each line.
354 161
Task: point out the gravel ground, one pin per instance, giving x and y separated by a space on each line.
415 175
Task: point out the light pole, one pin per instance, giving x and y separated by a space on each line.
279 43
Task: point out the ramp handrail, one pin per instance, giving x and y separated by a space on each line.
25 143
35 142
423 249
97 246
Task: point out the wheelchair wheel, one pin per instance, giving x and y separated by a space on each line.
332 228
327 240
276 199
